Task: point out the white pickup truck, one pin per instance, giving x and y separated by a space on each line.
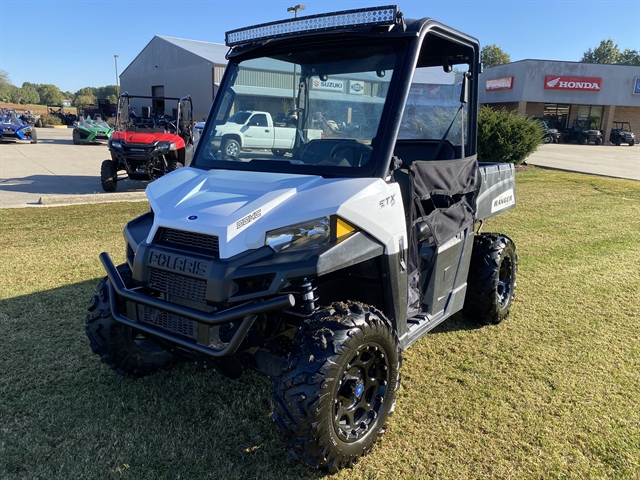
248 130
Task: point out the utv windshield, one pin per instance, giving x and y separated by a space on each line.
316 111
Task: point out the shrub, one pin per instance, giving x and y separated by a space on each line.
51 120
505 136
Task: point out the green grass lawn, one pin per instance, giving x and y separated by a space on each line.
552 392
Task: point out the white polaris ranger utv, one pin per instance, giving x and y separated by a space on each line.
319 267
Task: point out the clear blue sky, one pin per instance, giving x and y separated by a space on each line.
71 43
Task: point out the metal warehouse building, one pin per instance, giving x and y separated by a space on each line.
175 67
561 92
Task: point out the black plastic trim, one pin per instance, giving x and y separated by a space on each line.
246 312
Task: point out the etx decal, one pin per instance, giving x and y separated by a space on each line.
636 88
388 202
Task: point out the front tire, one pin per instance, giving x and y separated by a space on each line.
598 141
173 165
491 283
339 386
34 136
76 137
120 347
109 175
632 142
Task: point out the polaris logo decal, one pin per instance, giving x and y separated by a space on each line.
503 201
248 219
572 83
180 264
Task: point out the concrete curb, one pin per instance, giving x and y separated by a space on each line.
55 126
51 200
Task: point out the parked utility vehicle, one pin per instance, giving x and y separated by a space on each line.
146 145
319 268
621 133
250 130
583 131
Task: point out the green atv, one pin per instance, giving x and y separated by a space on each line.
86 130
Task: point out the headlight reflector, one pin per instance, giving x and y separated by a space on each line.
302 235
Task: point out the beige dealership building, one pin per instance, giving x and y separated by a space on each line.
561 92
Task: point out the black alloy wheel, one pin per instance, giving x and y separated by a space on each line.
338 388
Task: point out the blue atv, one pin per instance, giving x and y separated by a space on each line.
13 129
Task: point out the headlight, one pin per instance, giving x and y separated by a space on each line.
163 147
302 235
117 145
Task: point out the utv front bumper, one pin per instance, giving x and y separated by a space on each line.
246 314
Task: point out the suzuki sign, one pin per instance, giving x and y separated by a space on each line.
555 82
499 84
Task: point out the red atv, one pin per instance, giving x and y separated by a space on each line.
145 146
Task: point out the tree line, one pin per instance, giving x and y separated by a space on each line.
608 52
48 94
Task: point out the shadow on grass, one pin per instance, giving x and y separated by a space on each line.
456 323
64 414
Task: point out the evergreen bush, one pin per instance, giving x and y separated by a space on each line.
504 136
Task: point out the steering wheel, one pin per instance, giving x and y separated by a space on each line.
168 126
357 150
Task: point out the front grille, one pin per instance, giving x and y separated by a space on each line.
171 236
178 285
168 321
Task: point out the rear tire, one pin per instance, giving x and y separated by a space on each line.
109 175
582 140
38 123
119 346
338 388
491 283
278 152
618 142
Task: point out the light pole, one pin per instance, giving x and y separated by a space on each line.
115 58
294 10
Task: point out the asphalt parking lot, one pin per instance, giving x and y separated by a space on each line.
55 171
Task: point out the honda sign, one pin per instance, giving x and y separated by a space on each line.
555 82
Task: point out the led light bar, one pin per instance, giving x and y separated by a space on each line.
360 17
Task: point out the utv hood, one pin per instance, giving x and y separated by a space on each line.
240 207
147 138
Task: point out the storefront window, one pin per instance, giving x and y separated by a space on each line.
592 113
556 115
